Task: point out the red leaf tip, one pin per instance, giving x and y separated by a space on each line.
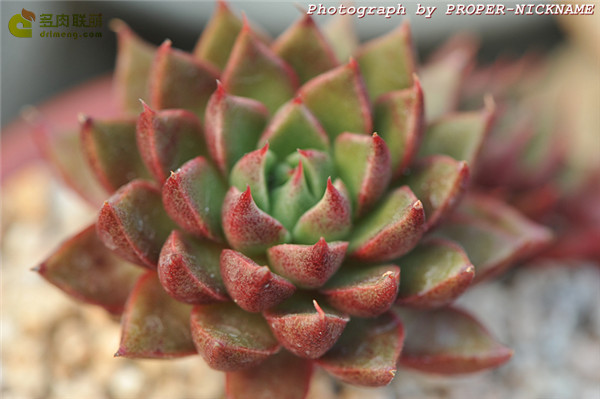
319 310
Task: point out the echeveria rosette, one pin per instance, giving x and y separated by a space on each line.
297 211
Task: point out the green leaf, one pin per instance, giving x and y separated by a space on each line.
292 199
266 78
111 150
134 61
229 338
449 341
339 31
367 352
84 269
388 62
294 127
232 126
252 171
434 274
391 230
399 120
322 96
154 325
302 42
178 80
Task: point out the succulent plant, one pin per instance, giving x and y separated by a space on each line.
276 205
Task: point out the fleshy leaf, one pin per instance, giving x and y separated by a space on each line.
438 181
367 352
253 288
304 328
364 291
443 76
178 80
317 166
229 338
247 228
330 218
459 135
133 224
399 120
388 62
218 36
134 61
391 230
308 266
434 274
252 171
167 139
449 341
254 71
84 269
111 150
322 96
302 42
232 126
493 234
189 270
293 127
63 151
154 325
193 197
272 379
339 31
363 163
292 199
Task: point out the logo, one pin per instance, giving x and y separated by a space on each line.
24 20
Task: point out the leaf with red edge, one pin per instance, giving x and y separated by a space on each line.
391 230
282 375
154 325
322 96
340 32
304 328
247 228
134 61
438 181
293 127
388 62
317 166
434 274
254 71
193 197
301 42
444 74
167 139
111 150
459 135
178 80
63 151
84 269
232 127
330 218
367 352
252 171
363 163
219 36
133 224
253 287
399 119
229 338
449 341
494 235
189 270
363 291
307 266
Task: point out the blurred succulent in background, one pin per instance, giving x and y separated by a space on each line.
280 204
